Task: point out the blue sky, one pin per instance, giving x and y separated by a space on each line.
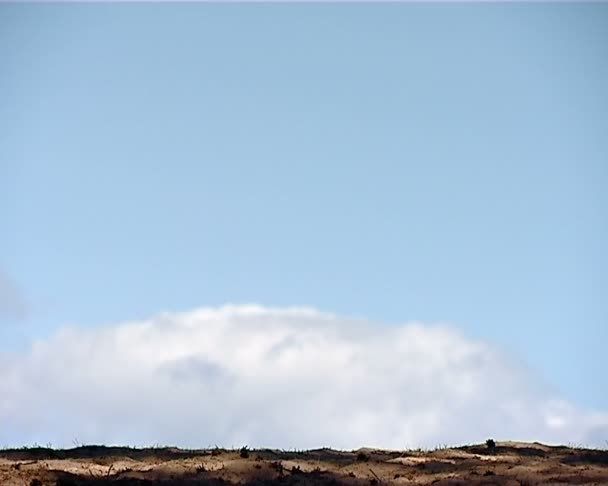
440 163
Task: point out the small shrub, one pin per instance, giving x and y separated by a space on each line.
362 457
490 444
244 452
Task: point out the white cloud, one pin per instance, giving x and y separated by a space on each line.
284 378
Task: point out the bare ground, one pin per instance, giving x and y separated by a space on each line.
509 463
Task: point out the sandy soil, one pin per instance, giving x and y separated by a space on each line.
508 463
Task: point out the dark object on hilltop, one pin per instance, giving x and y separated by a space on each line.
490 444
244 452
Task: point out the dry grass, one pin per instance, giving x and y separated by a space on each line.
504 463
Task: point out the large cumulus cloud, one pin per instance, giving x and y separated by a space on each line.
292 377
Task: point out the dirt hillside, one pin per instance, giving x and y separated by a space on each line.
506 463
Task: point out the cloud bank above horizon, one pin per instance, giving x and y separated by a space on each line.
277 377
